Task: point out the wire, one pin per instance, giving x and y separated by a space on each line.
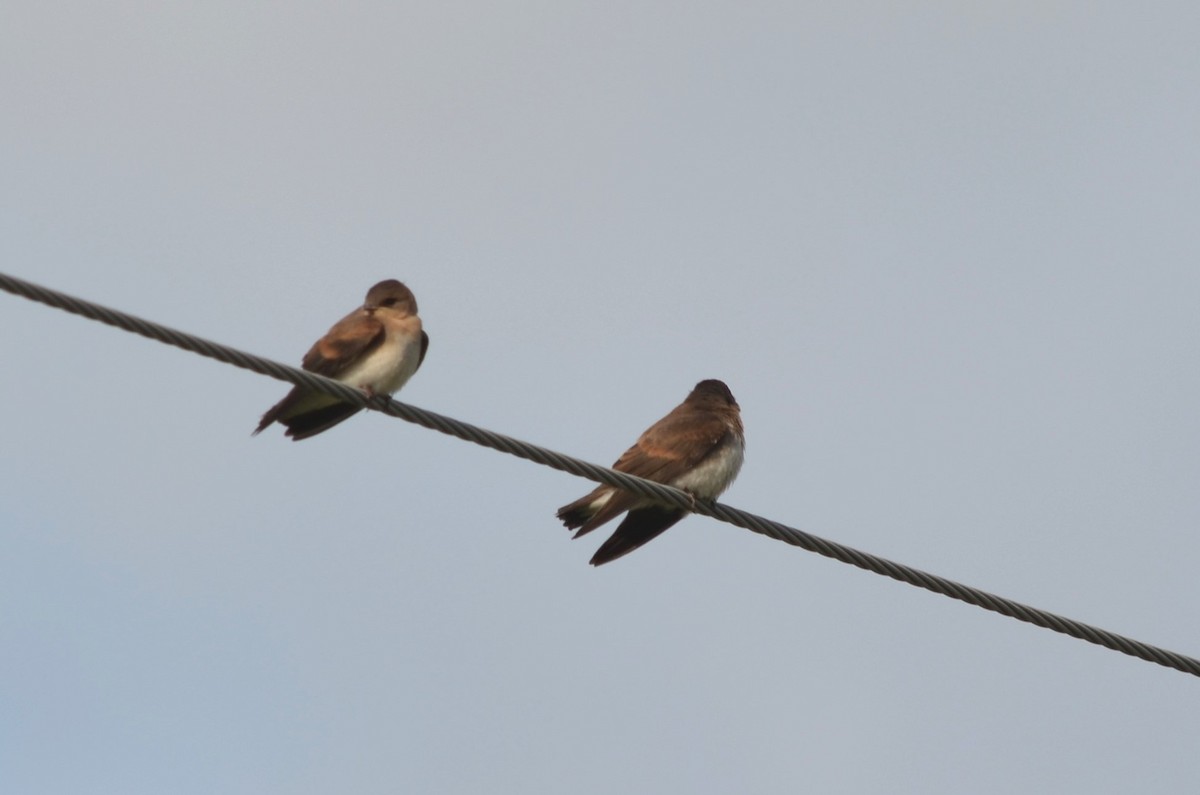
575 466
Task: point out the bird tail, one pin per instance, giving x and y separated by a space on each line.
588 513
577 513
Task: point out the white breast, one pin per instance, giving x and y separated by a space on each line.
715 473
389 366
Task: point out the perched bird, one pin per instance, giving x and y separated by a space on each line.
375 348
698 448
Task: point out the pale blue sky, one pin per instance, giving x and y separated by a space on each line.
945 255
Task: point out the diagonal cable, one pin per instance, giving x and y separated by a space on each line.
575 466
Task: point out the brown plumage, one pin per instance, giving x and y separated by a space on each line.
376 348
697 447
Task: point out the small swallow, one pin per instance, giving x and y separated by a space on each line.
698 448
375 348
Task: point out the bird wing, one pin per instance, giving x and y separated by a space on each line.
668 449
640 526
350 339
674 445
424 347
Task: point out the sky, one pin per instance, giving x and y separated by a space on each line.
945 255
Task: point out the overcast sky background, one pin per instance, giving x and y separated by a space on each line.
945 255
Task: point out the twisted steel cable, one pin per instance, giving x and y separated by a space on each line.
575 466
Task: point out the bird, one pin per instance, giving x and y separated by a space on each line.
375 348
698 447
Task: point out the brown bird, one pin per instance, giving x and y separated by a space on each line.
375 348
698 448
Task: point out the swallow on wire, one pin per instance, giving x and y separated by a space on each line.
375 348
698 447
